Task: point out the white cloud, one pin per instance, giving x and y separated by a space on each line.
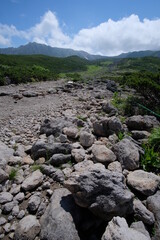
108 38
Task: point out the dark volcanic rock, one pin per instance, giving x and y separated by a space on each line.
139 122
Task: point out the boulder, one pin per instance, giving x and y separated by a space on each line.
78 154
5 154
58 220
71 132
30 94
102 154
144 182
103 192
111 85
139 122
27 228
108 107
58 159
115 167
118 229
41 149
137 135
153 204
86 139
127 154
142 213
34 203
3 175
32 181
5 197
140 227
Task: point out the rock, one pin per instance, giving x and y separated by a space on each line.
115 167
103 192
99 129
154 206
58 220
15 210
48 169
41 209
58 176
7 208
27 228
21 214
78 154
3 175
144 182
5 197
86 139
58 159
15 189
142 213
127 154
108 107
2 221
30 94
139 122
137 135
102 154
71 132
27 160
118 229
33 181
40 149
139 226
7 227
34 203
5 154
19 197
111 85
53 127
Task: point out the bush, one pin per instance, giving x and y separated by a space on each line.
154 139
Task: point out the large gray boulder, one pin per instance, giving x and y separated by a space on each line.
41 149
127 154
139 122
118 229
27 229
153 204
32 181
144 182
58 220
103 192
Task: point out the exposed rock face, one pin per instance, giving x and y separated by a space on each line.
57 222
118 229
102 154
153 204
86 139
102 191
33 181
139 122
144 182
27 228
127 154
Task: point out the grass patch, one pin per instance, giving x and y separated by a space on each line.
13 174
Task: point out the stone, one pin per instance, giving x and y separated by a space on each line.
108 107
58 176
78 154
142 213
7 208
19 197
137 135
127 154
58 220
118 229
71 132
59 159
33 181
7 227
139 122
34 203
2 221
5 154
27 228
15 210
41 149
3 175
154 206
115 167
144 182
102 154
5 197
86 139
27 160
15 189
41 209
48 169
140 227
21 214
30 94
103 192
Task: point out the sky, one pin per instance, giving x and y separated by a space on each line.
106 27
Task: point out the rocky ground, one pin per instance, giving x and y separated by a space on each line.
64 173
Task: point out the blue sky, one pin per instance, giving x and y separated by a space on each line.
106 27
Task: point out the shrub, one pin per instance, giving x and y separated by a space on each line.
150 161
154 139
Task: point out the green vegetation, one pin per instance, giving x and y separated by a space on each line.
13 173
120 135
36 167
151 159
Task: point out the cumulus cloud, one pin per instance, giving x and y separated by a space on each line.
108 38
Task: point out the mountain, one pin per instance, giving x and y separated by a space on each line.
42 49
139 54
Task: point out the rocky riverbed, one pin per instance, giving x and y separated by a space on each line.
64 173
